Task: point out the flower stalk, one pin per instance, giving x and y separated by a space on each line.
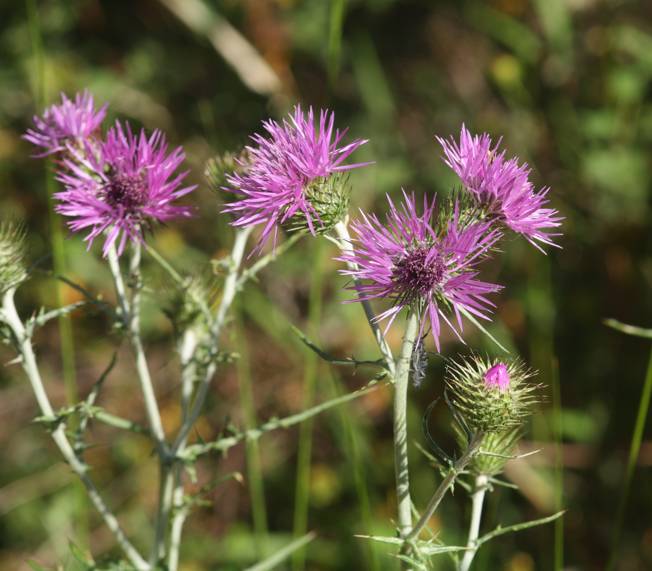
401 385
470 452
28 362
477 502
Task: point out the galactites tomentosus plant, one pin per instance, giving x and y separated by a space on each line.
426 260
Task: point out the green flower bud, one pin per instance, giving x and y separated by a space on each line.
490 395
219 166
12 254
187 307
330 197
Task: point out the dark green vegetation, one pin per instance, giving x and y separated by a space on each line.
567 84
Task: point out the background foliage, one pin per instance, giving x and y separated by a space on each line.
565 82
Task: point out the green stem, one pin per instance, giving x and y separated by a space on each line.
559 465
304 453
66 339
335 38
401 385
252 449
357 460
634 449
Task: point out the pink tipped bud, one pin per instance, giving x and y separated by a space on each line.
497 377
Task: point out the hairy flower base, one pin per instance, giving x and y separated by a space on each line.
486 407
328 198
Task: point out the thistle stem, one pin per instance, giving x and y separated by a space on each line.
187 348
438 496
191 409
346 245
28 362
228 294
401 385
131 318
477 503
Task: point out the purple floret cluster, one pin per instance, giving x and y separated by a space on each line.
423 259
117 185
501 187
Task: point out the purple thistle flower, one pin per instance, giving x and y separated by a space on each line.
497 377
121 185
502 186
417 265
281 166
70 121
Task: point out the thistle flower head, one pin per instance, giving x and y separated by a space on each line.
122 186
12 255
428 267
490 397
289 175
502 186
72 120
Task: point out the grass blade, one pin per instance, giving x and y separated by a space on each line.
634 449
283 554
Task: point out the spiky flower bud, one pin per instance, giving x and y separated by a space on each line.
12 254
329 198
220 166
490 395
188 307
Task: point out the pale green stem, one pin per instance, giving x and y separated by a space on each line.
477 502
304 452
173 486
187 348
346 245
252 450
447 482
224 444
28 362
401 385
66 337
131 318
228 294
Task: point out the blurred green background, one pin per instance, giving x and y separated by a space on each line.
566 83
